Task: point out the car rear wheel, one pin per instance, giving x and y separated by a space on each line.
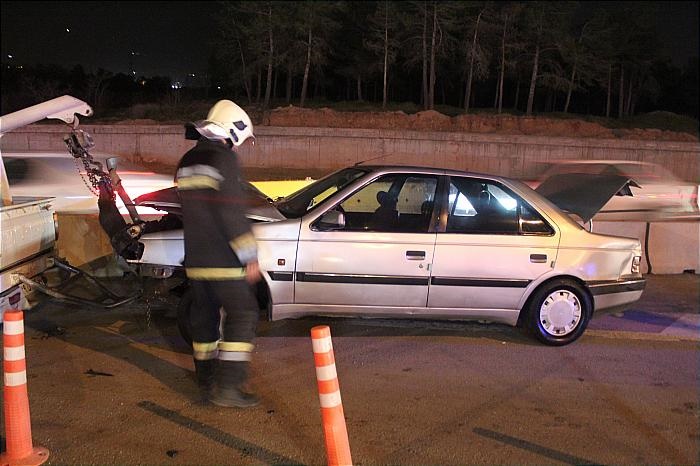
559 312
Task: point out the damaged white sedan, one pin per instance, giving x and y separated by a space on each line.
407 242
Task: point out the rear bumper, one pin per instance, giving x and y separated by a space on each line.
10 284
611 294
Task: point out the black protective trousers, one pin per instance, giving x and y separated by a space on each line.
240 315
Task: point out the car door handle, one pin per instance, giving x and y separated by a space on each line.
538 258
415 255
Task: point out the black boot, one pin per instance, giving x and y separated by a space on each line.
227 390
205 371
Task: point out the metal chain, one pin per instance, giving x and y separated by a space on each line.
148 313
90 188
96 177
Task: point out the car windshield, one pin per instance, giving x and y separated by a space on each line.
309 197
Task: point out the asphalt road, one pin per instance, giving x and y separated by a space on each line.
116 387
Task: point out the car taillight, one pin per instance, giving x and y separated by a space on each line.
55 225
635 264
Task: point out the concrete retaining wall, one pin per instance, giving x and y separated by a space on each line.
672 247
327 149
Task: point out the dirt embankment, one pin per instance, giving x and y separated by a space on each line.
431 120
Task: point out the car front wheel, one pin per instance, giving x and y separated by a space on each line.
559 312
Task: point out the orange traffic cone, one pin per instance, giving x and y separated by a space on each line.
334 429
18 428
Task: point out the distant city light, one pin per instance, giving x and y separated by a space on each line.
67 29
176 85
10 56
191 75
218 87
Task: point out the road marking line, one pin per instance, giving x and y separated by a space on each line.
687 325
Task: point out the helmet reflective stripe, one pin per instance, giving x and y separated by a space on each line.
210 130
226 120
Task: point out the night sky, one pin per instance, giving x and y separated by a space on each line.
172 38
169 38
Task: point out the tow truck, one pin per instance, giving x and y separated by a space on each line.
28 224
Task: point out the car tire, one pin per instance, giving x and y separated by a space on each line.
184 309
558 312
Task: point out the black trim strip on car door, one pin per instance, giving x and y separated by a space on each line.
480 282
281 276
614 286
360 279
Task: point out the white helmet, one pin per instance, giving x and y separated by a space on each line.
226 120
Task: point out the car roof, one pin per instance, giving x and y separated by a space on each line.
429 170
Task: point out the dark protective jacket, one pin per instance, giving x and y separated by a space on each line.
218 237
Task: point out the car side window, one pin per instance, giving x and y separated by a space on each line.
477 206
401 203
532 223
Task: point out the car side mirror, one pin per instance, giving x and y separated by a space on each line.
329 221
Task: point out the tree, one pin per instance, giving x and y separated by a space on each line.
268 17
543 23
382 40
586 50
506 17
352 59
97 85
475 54
443 19
316 28
630 53
416 19
235 44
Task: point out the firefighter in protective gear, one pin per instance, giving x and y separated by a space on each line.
220 254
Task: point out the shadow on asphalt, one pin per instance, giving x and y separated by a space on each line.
379 327
130 331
